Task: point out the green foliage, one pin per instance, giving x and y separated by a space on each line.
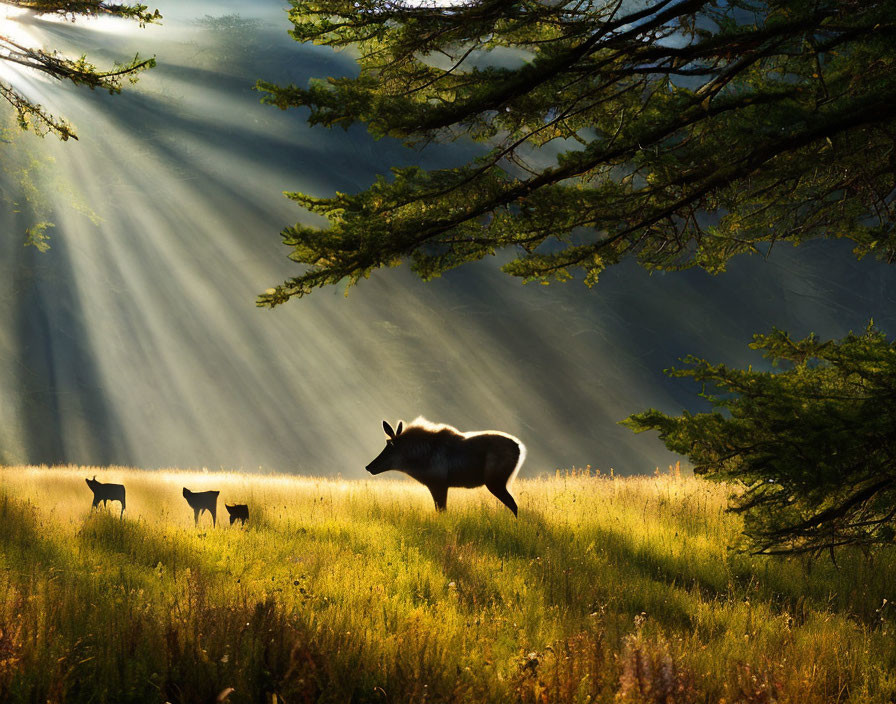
813 445
680 133
35 187
79 71
71 9
605 590
36 236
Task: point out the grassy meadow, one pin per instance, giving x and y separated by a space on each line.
605 590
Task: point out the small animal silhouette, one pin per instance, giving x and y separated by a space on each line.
238 512
203 501
439 457
106 492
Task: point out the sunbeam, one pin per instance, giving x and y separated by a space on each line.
135 339
14 35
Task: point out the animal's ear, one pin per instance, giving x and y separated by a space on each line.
400 426
388 429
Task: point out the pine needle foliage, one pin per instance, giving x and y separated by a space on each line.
813 445
77 70
677 132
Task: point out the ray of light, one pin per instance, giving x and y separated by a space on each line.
135 340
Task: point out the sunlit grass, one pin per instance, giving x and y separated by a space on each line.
604 589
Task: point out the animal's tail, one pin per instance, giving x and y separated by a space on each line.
519 462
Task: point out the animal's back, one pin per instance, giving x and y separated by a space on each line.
200 498
489 458
237 509
107 492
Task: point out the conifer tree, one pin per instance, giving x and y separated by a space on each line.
676 132
812 446
31 115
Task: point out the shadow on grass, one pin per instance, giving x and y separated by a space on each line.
91 637
553 562
21 541
583 569
135 543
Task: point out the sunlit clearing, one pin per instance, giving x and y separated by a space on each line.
372 590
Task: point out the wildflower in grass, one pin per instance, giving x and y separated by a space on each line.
650 673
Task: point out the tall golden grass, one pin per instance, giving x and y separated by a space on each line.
606 589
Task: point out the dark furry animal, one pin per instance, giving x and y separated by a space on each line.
106 492
238 512
203 501
440 457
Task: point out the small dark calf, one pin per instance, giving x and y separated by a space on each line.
238 512
440 457
203 501
106 492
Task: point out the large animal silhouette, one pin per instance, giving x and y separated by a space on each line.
441 457
203 501
106 492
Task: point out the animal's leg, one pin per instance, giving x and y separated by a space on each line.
232 519
196 512
500 491
214 517
439 496
121 515
96 502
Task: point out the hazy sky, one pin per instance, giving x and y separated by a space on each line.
135 340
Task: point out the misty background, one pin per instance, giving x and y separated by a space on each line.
135 339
